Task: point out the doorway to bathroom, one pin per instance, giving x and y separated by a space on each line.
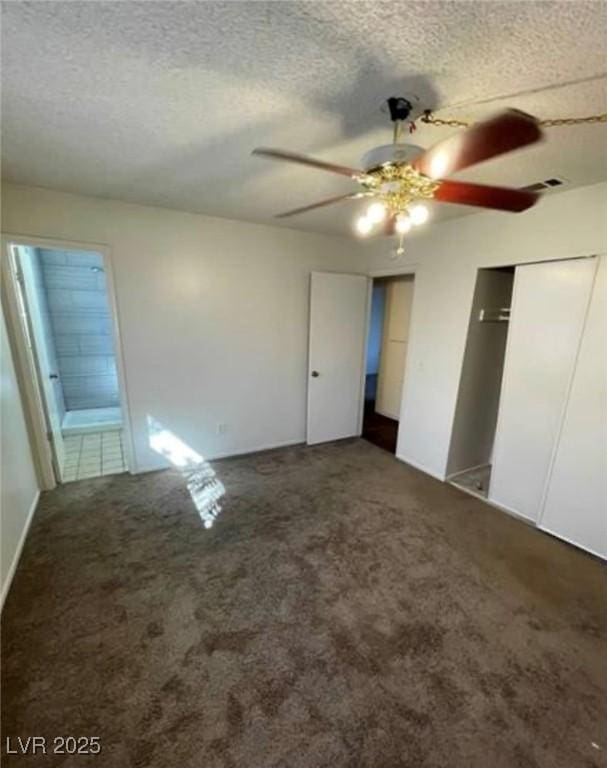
67 329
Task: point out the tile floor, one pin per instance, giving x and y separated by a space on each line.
93 454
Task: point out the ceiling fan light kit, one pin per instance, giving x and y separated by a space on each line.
395 186
399 178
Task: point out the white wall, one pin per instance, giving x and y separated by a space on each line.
446 258
213 314
19 487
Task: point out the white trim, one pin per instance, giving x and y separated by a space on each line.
421 467
497 436
468 491
16 557
468 469
125 402
500 507
259 449
574 543
509 263
40 242
26 372
244 452
512 512
408 269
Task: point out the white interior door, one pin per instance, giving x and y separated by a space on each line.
576 502
549 304
36 328
338 318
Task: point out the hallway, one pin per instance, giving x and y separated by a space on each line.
378 429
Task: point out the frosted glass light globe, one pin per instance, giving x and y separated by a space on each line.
419 214
363 225
376 212
403 224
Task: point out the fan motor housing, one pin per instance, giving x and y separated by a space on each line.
390 154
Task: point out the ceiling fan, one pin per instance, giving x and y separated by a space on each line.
398 177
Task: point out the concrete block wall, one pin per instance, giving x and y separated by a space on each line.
82 326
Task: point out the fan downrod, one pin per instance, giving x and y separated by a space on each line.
400 109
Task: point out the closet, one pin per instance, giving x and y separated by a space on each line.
473 431
530 429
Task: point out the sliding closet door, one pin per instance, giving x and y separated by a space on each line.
576 503
549 304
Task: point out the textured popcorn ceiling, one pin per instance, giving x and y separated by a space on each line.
161 103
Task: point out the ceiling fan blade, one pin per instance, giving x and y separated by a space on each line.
322 203
292 157
507 131
483 196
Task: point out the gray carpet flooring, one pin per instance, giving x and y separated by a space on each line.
342 610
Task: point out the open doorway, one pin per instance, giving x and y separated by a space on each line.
387 341
65 328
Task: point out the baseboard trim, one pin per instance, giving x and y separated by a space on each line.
258 449
468 491
453 475
573 543
512 512
17 556
421 467
228 455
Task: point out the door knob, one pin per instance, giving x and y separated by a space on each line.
53 376
315 374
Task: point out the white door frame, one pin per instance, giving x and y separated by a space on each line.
374 274
25 366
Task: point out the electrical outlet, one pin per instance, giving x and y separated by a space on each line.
222 428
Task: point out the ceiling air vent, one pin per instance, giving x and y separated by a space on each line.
551 183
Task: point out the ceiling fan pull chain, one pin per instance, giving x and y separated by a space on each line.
556 122
429 118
